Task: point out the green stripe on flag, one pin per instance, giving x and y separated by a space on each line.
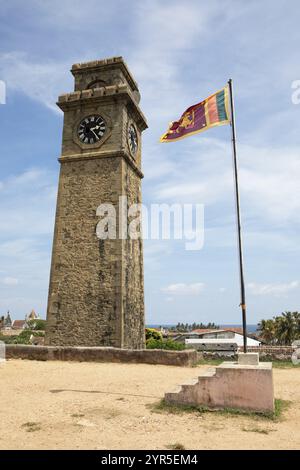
221 106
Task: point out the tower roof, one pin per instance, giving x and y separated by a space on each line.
104 64
32 315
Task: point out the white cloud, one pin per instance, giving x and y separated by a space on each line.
42 81
27 204
154 252
10 281
272 289
184 289
152 40
165 35
269 179
74 14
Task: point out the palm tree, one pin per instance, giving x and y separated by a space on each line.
283 329
267 331
286 328
297 318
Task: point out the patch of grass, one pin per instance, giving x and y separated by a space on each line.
259 430
176 446
164 407
280 407
31 426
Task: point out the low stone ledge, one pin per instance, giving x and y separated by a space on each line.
266 353
22 351
186 358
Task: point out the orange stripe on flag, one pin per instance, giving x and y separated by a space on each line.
213 109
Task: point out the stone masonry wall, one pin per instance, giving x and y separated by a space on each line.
133 302
96 292
266 353
85 272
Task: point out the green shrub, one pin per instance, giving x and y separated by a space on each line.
164 344
37 324
8 339
22 338
151 333
38 333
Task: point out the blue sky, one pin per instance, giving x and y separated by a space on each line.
179 52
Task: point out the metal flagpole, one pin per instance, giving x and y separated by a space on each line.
240 249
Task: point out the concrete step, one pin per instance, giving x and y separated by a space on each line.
190 383
210 372
230 385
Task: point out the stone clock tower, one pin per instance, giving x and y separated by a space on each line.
96 287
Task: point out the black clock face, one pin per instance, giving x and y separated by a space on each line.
91 129
132 139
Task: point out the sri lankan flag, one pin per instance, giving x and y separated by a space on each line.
211 112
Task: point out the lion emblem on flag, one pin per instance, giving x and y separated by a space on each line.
187 120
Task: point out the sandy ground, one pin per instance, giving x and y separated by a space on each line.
61 405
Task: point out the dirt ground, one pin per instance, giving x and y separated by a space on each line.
64 405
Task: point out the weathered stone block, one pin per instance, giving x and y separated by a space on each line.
251 359
98 91
74 96
63 98
86 94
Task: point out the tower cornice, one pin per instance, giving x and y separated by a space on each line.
102 95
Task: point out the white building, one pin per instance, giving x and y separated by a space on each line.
211 337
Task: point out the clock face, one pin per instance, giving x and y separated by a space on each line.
91 129
132 139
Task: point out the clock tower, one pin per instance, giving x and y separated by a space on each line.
96 291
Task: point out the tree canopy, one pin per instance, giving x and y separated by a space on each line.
283 329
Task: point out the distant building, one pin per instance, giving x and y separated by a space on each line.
6 322
32 316
19 324
217 337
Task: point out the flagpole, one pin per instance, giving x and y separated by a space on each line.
239 230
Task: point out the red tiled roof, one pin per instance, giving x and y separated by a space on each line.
234 330
205 330
18 324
